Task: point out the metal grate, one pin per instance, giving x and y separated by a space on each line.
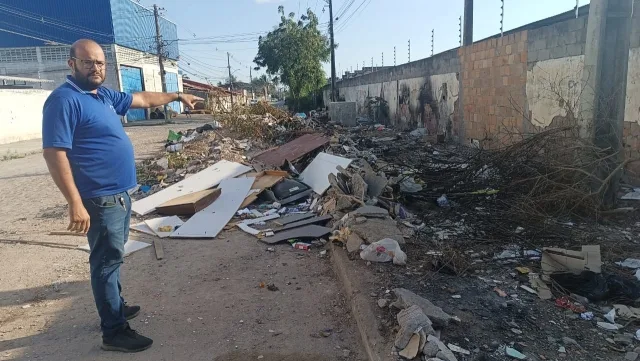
18 55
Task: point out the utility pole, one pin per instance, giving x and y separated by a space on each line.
409 51
577 6
160 51
333 53
251 82
230 80
467 33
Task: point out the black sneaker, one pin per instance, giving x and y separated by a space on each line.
126 340
131 311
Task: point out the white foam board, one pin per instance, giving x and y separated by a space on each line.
129 247
142 228
156 223
210 221
316 175
200 181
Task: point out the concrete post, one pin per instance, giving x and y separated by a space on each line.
604 83
467 38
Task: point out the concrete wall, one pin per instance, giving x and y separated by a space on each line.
422 93
21 114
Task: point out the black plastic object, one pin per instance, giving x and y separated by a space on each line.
288 188
600 287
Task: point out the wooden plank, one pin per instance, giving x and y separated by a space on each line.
202 180
290 218
157 244
142 228
66 233
306 232
189 204
210 221
314 220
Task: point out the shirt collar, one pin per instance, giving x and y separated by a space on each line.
75 86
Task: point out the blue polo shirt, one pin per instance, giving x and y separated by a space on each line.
88 126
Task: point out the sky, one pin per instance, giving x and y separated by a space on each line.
367 29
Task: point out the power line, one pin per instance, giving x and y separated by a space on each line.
344 24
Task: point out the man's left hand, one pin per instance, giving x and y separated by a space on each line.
190 100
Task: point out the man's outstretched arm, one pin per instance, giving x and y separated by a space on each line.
60 171
154 99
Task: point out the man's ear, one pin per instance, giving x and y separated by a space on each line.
70 65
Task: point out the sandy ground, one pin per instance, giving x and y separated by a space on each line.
201 302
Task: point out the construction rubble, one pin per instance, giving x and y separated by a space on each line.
507 235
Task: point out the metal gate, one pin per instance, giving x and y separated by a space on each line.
172 87
131 83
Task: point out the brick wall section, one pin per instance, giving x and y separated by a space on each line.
494 77
556 41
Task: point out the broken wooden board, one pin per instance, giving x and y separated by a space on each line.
210 221
200 181
129 247
155 224
316 175
66 233
264 180
157 245
306 232
142 228
290 218
314 220
189 204
293 150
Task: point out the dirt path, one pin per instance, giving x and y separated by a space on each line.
202 302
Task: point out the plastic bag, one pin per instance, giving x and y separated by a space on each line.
384 250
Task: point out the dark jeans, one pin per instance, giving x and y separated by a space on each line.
110 216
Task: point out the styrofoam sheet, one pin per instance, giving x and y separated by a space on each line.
316 175
129 247
142 228
156 223
210 221
200 181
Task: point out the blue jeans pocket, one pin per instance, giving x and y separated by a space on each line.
104 201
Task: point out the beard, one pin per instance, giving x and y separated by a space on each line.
89 82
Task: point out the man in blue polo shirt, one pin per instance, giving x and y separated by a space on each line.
91 160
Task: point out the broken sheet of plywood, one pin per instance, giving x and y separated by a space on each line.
210 221
264 180
294 217
306 232
316 175
202 180
189 204
164 226
129 247
142 228
314 220
293 150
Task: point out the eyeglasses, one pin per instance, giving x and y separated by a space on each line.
88 64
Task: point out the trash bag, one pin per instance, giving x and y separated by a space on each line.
600 287
384 250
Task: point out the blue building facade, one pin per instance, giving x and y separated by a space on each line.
25 23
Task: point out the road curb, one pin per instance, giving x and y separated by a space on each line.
376 347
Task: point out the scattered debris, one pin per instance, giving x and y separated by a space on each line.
385 250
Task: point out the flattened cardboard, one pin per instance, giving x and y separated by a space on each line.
189 204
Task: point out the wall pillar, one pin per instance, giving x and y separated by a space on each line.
467 37
603 97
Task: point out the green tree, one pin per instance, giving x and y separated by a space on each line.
293 53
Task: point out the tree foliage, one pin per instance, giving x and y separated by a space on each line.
293 54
